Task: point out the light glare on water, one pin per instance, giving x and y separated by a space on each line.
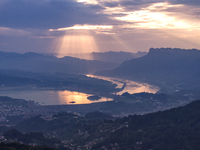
53 97
68 97
50 97
131 86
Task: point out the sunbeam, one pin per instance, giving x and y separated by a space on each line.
79 39
76 42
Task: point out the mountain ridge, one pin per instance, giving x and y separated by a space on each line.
111 56
162 67
40 63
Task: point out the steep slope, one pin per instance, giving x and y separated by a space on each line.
35 62
163 67
175 129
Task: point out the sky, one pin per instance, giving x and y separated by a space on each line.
84 26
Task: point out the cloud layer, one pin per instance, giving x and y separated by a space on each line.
52 14
115 24
47 14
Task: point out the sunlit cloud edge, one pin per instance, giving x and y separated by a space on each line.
84 27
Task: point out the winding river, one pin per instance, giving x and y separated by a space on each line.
131 86
52 97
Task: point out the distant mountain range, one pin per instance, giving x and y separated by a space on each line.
172 69
40 63
112 57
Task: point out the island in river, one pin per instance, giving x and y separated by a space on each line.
62 89
95 97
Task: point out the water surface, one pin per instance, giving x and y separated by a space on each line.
131 86
53 97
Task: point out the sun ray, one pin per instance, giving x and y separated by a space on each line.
77 44
79 39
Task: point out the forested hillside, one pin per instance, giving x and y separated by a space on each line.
174 129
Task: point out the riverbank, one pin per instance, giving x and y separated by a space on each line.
78 95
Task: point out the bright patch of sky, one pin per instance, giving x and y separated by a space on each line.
84 27
88 1
154 16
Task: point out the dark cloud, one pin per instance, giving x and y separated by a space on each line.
186 2
48 13
111 4
132 4
136 2
147 2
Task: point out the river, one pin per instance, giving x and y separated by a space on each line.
131 86
53 97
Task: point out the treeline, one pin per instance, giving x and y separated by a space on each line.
32 137
175 129
18 146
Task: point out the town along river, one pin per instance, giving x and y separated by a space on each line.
53 97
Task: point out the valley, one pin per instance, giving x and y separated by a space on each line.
99 75
58 109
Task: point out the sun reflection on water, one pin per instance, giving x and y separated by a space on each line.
69 97
131 86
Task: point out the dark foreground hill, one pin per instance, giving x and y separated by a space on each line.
18 146
164 67
35 62
174 129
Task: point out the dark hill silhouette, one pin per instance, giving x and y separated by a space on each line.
163 67
112 57
174 129
35 62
